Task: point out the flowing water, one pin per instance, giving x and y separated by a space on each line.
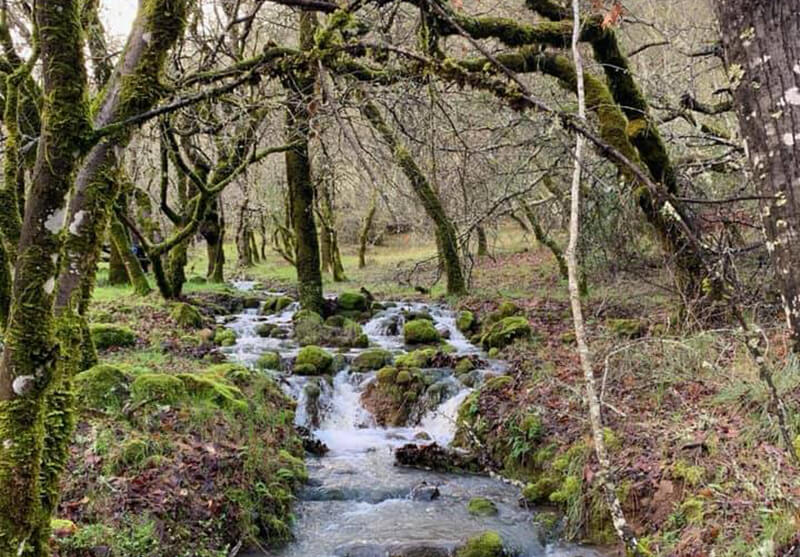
357 502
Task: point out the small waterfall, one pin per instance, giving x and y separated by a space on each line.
358 502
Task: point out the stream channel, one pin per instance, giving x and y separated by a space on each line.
357 502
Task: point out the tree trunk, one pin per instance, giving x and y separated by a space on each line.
300 89
447 239
121 241
604 473
29 372
213 230
762 48
242 238
363 238
117 275
483 244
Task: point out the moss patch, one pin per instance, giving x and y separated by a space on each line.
375 358
102 386
313 360
106 335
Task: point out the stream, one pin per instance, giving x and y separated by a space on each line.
357 502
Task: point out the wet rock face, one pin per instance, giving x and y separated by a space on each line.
424 492
436 457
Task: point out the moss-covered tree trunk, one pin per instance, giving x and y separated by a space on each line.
121 241
117 275
447 239
28 371
366 227
299 91
212 229
483 243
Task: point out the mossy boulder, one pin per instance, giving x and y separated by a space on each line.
423 357
465 321
369 360
313 360
264 330
627 328
224 337
504 332
481 506
102 386
186 316
352 301
269 360
403 377
386 375
107 335
214 390
157 387
275 304
235 373
487 544
420 331
463 366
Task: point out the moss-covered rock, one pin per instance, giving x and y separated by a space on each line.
107 335
403 377
264 330
498 382
386 375
313 360
224 337
481 506
157 387
422 357
504 332
102 386
352 301
235 373
463 366
465 321
269 360
420 331
275 304
186 316
627 328
311 330
369 360
214 390
488 544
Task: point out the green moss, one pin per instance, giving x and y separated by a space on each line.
235 373
403 377
186 316
375 358
481 506
157 387
264 330
497 383
420 331
539 491
386 375
269 360
487 544
214 390
276 304
506 331
309 328
422 358
465 321
224 337
315 357
692 475
352 301
106 335
101 387
464 365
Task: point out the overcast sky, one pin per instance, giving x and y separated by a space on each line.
117 16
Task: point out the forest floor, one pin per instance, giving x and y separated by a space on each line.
697 455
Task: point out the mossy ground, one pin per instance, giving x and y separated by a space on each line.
185 456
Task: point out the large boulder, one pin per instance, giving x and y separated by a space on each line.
369 360
420 331
107 335
504 332
313 360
